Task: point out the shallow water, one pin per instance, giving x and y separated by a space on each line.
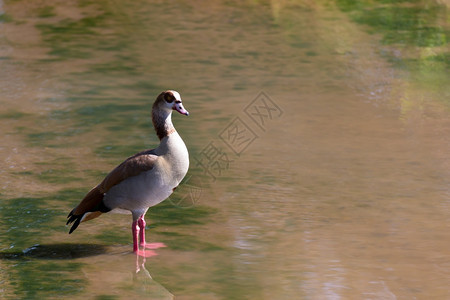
318 137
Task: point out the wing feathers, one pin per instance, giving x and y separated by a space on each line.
132 166
92 202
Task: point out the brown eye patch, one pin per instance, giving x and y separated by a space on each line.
169 97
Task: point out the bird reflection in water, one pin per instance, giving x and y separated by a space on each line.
143 281
150 253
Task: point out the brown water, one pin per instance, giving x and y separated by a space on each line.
332 183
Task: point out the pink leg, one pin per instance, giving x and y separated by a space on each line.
138 230
135 230
141 222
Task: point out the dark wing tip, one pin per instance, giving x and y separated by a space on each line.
72 218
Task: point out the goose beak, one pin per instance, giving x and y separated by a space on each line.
178 106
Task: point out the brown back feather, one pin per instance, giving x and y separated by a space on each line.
132 166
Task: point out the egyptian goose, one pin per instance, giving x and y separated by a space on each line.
144 179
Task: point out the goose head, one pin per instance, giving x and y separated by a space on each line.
170 100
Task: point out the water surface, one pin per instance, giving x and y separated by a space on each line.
328 121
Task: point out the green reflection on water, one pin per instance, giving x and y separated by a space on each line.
411 25
63 35
417 31
13 115
115 234
416 25
26 221
6 18
106 297
54 279
46 12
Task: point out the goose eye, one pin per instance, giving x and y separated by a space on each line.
169 97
